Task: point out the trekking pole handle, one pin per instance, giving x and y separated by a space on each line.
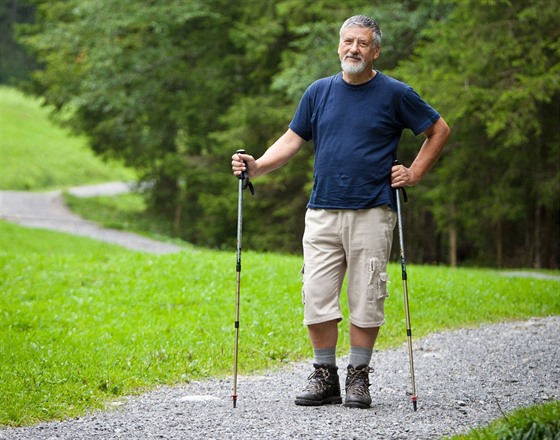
405 196
243 174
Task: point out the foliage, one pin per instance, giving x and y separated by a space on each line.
37 154
84 323
16 62
140 82
174 88
496 81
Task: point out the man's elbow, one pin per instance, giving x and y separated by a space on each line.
443 130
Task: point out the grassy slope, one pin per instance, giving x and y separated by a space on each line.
36 154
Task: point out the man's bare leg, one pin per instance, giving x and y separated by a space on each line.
363 337
323 335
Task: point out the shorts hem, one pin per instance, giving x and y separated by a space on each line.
367 324
336 318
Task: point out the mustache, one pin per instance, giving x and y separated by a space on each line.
354 57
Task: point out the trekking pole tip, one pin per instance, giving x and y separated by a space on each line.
414 403
234 401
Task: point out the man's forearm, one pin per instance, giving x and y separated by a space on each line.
278 153
431 150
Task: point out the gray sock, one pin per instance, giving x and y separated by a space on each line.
360 356
325 355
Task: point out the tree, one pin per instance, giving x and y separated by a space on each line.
496 79
144 81
175 87
16 63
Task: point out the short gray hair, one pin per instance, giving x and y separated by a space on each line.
364 21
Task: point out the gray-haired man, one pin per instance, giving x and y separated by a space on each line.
355 119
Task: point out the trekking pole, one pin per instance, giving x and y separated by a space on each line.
405 289
243 184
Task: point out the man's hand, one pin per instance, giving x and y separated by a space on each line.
242 162
403 176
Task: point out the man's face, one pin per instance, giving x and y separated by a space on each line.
356 49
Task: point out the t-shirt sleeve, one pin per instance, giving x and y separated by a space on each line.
301 122
416 113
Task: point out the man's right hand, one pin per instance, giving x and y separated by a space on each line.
242 162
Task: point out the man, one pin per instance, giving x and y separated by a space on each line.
355 119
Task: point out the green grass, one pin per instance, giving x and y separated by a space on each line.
36 154
85 322
539 422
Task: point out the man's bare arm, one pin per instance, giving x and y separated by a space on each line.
436 137
277 155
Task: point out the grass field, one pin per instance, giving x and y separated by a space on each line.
36 154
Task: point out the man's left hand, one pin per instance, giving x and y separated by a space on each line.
403 176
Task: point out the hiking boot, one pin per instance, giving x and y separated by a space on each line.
323 387
357 387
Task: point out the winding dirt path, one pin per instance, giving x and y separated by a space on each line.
47 210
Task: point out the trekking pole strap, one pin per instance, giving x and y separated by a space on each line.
247 184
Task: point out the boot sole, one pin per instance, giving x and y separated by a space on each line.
327 401
360 405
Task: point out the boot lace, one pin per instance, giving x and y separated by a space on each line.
358 381
318 379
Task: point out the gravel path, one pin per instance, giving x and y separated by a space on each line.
464 379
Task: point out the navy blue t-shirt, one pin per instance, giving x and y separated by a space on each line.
356 131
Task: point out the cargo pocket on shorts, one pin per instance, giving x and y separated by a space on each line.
377 283
383 280
377 291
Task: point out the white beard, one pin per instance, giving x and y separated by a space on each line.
353 68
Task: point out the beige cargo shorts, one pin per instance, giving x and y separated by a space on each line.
356 242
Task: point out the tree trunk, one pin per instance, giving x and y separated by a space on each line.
177 218
537 262
499 247
452 246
